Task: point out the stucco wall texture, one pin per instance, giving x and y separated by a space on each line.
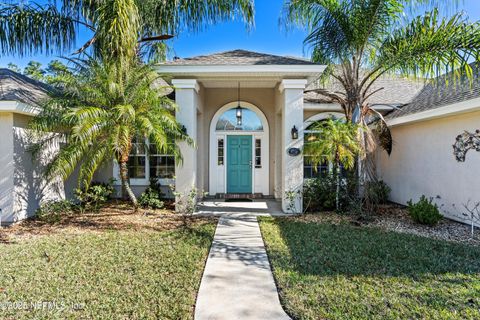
422 163
23 187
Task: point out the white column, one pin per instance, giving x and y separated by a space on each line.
186 97
292 166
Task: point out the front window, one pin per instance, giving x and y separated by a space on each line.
137 163
162 166
312 171
149 165
324 168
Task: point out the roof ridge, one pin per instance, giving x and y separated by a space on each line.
241 57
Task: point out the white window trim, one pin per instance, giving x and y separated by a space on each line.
141 181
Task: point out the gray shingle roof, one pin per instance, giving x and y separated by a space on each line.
397 91
17 87
240 57
443 91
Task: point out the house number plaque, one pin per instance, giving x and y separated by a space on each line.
293 152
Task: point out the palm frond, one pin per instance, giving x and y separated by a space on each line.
31 29
430 46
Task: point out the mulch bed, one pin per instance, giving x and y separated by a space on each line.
116 216
395 218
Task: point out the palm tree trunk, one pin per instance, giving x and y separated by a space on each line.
337 172
126 190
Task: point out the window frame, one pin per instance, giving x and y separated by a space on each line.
222 147
311 167
136 144
259 155
159 155
144 181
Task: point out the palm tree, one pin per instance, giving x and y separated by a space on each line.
119 28
362 40
333 141
100 111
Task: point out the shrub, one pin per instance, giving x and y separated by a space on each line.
52 210
151 197
377 192
319 194
186 203
95 196
424 211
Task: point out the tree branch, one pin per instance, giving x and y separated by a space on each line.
156 38
372 93
85 46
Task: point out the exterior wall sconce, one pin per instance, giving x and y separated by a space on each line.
294 133
238 110
184 129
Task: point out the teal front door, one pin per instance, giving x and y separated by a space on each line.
239 164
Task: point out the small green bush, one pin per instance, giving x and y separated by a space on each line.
424 211
150 199
152 196
377 192
319 194
52 210
95 196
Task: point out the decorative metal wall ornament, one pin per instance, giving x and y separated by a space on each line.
465 142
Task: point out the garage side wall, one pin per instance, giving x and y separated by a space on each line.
6 168
422 163
31 188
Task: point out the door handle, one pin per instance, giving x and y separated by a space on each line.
250 164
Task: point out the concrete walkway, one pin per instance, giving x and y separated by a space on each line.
237 282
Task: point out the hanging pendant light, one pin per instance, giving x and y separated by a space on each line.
238 110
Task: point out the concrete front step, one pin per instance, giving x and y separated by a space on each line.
239 196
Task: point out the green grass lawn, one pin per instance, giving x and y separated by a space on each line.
142 273
329 271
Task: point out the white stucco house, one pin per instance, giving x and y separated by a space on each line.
22 187
248 113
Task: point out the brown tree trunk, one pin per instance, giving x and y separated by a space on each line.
337 178
126 190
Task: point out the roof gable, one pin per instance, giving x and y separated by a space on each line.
240 57
17 87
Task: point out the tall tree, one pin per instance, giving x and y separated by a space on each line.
14 67
34 70
100 114
119 28
57 74
361 40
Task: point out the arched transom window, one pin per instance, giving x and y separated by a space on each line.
228 121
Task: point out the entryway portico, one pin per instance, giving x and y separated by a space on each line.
253 157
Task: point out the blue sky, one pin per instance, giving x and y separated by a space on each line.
267 36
